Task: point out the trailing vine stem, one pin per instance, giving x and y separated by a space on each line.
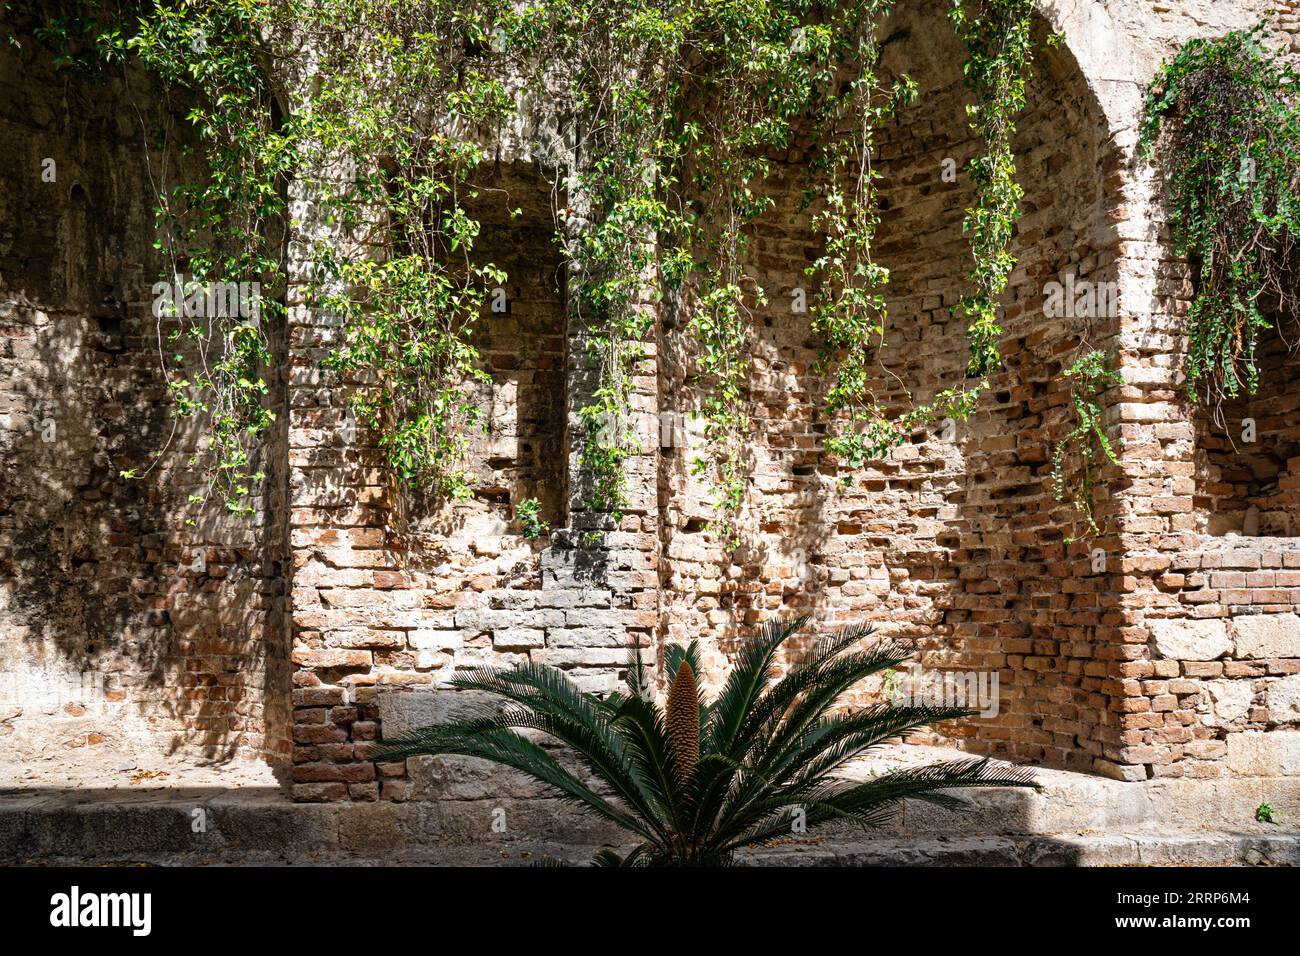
1226 111
744 102
223 226
1226 114
850 309
1086 444
223 230
615 62
997 35
677 109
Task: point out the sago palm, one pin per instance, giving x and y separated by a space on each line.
694 782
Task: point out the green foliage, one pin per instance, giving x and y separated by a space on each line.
393 107
998 43
529 514
84 40
770 752
609 66
224 227
1265 813
1226 114
881 432
1086 444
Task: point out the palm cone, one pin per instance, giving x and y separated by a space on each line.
683 721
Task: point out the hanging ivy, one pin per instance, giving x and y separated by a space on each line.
1226 114
1078 458
674 109
850 309
218 231
609 67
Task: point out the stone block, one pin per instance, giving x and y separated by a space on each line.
1229 701
1258 754
1266 635
1191 640
518 639
1283 700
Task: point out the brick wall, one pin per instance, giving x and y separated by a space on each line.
129 621
1176 655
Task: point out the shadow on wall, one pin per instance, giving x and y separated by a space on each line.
710 592
954 544
994 573
103 583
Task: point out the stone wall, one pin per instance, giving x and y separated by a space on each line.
130 621
954 543
1163 646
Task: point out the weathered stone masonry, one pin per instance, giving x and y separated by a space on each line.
121 626
353 602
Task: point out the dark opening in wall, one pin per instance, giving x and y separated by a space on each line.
522 342
1248 457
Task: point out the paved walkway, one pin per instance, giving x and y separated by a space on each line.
237 813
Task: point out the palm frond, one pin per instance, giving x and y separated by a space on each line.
820 681
543 700
638 675
640 725
874 802
818 752
799 700
674 654
831 743
638 856
511 749
749 675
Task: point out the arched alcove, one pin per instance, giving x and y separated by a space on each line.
1247 454
954 541
136 628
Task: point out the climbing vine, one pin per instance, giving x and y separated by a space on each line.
1086 446
606 73
852 312
1226 113
360 126
997 38
218 233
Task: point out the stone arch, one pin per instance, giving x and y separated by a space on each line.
1102 53
908 545
1187 694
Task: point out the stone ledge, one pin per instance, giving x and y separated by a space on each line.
1073 819
1140 848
